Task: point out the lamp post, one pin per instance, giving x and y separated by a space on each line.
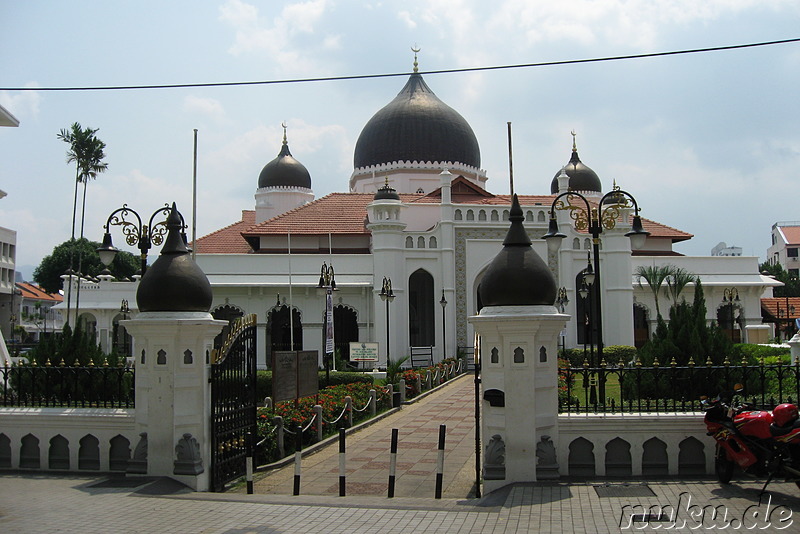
562 300
595 219
730 296
387 295
136 233
327 283
443 302
125 310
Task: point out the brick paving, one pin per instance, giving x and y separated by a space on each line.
45 502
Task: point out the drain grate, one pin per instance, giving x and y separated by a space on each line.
624 490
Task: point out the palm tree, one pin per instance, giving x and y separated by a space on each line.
87 152
655 276
677 280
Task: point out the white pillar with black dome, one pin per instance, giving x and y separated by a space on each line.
174 334
518 327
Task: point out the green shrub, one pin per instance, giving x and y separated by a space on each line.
264 381
754 353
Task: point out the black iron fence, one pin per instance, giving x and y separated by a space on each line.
66 386
670 388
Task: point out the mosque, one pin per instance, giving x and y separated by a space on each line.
419 215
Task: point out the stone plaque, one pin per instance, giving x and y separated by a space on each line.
284 375
307 373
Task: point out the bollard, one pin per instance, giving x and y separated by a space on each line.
440 463
418 383
392 462
342 462
318 415
348 406
373 402
268 403
428 379
298 455
401 385
249 460
278 422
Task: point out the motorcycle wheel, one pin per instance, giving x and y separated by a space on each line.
724 467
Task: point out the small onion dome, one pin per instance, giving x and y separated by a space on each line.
581 177
416 126
386 192
284 171
517 276
174 283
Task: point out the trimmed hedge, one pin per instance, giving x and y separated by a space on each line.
264 381
611 354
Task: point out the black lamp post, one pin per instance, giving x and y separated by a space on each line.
562 300
387 295
443 302
327 284
125 310
136 233
595 219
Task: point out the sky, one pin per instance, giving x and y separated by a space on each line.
707 143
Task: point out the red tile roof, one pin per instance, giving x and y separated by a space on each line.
228 240
775 307
346 214
792 234
32 291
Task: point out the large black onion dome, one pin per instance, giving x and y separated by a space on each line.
386 192
417 126
581 177
517 276
284 171
174 283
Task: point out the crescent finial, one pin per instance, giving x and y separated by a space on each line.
416 50
283 125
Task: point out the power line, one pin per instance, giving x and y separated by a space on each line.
397 74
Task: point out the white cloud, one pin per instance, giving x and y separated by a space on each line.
206 106
290 39
22 104
405 16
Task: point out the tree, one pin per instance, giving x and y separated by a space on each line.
791 286
677 280
655 276
87 152
48 273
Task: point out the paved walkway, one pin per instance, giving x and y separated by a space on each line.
368 452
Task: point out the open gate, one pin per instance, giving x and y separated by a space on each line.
233 403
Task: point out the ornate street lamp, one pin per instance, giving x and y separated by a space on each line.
387 295
136 233
443 302
327 285
595 219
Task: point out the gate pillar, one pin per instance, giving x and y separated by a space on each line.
518 328
174 335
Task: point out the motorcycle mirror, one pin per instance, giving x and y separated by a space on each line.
738 387
703 397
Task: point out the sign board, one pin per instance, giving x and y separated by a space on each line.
307 373
363 352
294 374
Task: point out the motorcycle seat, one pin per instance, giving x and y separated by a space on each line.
776 430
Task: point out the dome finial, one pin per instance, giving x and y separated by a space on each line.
416 50
283 125
574 146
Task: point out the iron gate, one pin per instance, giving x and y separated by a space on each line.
233 403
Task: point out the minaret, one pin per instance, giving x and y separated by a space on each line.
284 184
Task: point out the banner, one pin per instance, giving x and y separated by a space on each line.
329 322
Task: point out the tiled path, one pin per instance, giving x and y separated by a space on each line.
368 452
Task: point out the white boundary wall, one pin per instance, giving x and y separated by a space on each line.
71 423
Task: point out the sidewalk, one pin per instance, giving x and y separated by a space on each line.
368 452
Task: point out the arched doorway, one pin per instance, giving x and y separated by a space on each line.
641 328
225 313
121 340
345 330
729 318
278 331
421 318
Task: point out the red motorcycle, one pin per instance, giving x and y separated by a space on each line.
760 443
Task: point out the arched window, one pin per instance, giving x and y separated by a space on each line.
470 215
421 319
458 215
576 244
432 242
495 216
541 217
409 242
278 330
420 242
481 215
